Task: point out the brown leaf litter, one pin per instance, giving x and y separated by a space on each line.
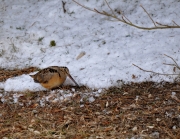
140 110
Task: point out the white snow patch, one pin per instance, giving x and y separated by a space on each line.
110 47
16 97
1 85
173 94
91 99
23 82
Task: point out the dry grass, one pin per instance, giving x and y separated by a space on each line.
5 74
141 110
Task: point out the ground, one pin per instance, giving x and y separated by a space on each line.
117 99
136 110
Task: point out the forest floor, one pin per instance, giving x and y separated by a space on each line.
135 110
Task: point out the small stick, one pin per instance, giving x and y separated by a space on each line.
127 21
110 8
174 61
152 71
175 23
169 64
64 9
124 19
162 24
149 15
83 6
168 132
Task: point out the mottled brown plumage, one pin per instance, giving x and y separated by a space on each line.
52 77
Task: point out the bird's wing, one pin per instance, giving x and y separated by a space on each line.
45 75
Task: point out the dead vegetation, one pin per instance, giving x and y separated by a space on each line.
5 74
119 16
174 65
140 110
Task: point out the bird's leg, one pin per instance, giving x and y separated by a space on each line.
60 87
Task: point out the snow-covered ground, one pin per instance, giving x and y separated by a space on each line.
27 27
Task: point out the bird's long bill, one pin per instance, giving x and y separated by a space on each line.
73 79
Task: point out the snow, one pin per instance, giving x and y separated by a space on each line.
173 94
110 47
91 99
20 83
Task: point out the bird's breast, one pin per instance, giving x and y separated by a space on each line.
55 81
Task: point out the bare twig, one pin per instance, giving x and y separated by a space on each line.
177 66
123 16
175 23
152 71
110 7
168 132
169 64
125 20
148 15
162 24
84 6
63 4
176 99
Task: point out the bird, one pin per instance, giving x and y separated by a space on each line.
52 77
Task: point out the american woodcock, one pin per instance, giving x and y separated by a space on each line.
52 77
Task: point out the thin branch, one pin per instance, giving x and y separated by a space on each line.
83 6
166 131
162 24
110 7
174 61
124 19
176 99
127 21
148 15
63 4
169 64
152 71
175 23
123 16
